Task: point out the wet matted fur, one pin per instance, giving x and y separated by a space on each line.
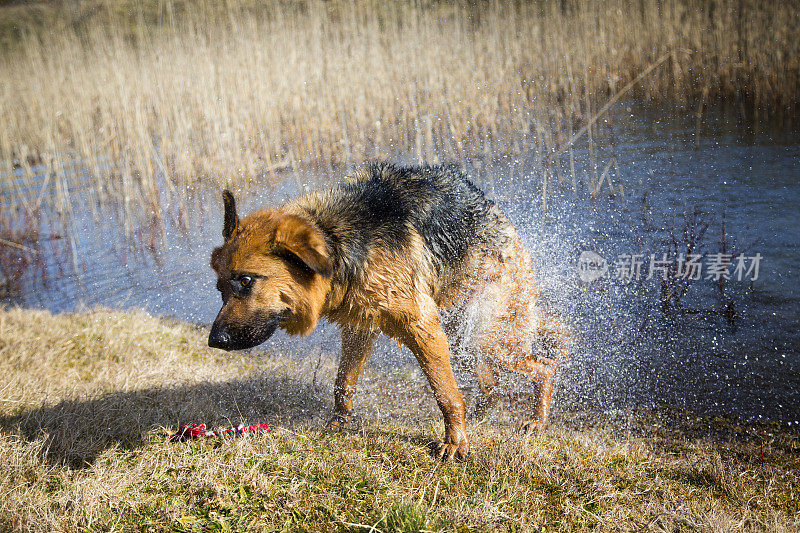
386 251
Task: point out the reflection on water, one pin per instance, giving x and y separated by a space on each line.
735 351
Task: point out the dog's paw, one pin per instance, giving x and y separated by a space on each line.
533 427
453 452
339 422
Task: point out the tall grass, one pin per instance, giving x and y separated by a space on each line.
141 101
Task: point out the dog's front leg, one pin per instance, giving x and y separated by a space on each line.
356 350
426 339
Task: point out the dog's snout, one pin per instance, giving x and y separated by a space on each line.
219 337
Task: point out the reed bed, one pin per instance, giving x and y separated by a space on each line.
137 103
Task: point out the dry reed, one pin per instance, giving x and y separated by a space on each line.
141 101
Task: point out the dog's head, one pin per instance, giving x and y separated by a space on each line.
273 271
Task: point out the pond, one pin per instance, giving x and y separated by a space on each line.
668 180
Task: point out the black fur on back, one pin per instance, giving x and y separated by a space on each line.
384 203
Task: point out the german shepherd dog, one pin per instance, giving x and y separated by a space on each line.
386 251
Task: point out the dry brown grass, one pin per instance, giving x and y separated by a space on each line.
118 94
88 399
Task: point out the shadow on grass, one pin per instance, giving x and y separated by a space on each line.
417 438
78 430
420 440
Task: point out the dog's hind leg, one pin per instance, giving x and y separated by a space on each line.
487 382
543 375
507 346
356 350
513 332
552 345
538 362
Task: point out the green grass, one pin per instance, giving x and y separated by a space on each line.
88 401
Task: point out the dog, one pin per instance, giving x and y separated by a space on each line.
417 253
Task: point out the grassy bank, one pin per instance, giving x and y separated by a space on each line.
119 94
88 400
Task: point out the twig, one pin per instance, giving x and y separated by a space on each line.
18 246
612 101
362 526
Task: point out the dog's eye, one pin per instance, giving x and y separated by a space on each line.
242 285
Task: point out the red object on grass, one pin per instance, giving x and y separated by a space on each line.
195 431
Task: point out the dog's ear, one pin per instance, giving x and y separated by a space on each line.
231 218
302 240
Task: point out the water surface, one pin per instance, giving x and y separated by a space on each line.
736 352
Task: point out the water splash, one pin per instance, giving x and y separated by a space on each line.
630 352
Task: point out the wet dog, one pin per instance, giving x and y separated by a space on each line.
386 252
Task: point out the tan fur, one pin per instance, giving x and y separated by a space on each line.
504 287
400 295
258 238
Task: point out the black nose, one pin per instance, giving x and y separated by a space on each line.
219 337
